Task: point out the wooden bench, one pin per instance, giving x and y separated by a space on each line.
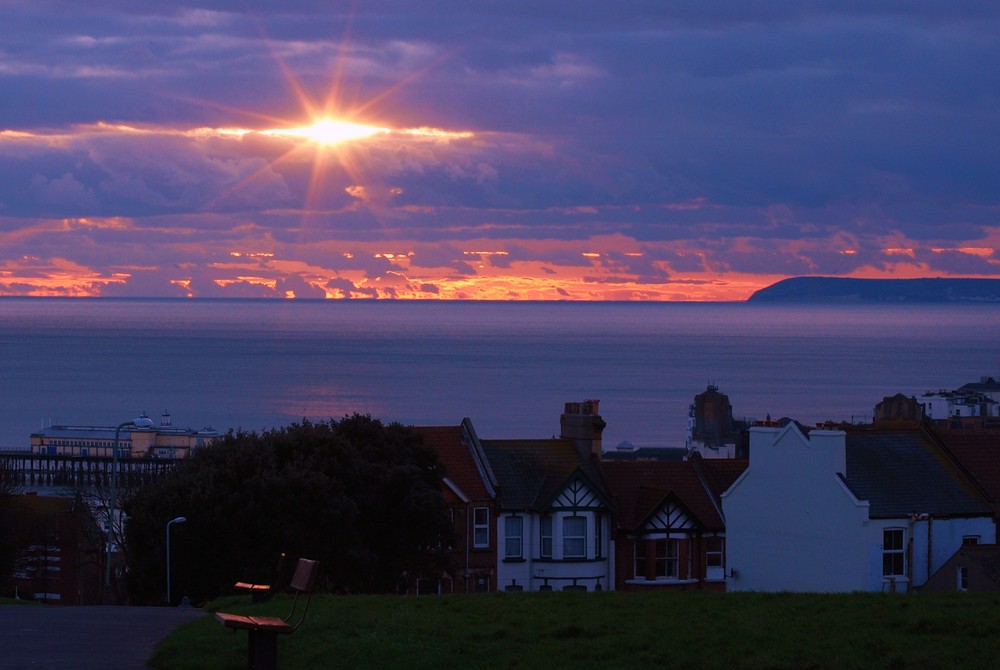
261 592
263 631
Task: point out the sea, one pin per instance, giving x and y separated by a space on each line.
508 366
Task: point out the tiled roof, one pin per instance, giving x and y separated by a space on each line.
531 472
722 472
640 488
978 451
456 457
903 472
984 385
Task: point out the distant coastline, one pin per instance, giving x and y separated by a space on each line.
844 290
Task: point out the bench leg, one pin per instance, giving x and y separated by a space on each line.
263 650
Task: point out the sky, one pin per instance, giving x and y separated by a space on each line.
581 150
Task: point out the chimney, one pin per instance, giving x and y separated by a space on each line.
581 423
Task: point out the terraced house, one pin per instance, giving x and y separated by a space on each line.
868 509
670 531
549 514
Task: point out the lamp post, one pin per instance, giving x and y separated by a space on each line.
142 422
179 519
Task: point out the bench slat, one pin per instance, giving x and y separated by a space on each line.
261 623
234 620
263 631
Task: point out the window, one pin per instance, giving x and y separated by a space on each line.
640 560
962 579
545 529
713 552
597 537
970 540
575 537
513 525
666 559
481 527
657 559
893 556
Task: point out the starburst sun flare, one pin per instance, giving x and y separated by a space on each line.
329 131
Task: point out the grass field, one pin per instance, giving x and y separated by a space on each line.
587 631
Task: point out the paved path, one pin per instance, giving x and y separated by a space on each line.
85 638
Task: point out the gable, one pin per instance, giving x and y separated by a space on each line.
671 516
578 494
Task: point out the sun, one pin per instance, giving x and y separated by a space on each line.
329 131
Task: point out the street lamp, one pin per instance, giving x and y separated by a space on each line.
179 519
142 422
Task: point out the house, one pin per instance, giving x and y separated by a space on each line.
554 525
959 406
988 386
899 408
974 568
59 550
470 493
669 531
977 452
868 510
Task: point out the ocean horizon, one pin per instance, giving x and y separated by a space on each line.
508 366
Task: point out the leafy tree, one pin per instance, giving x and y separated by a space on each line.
362 497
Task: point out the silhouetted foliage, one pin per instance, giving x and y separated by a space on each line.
10 540
361 497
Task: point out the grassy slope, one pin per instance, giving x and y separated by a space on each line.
614 630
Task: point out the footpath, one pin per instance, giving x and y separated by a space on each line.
85 638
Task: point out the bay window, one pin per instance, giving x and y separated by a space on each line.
574 537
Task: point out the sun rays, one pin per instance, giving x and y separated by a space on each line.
329 131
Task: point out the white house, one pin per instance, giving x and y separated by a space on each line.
561 544
831 511
554 520
942 405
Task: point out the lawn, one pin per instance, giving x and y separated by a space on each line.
585 631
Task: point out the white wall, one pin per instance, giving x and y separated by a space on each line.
531 572
945 539
791 522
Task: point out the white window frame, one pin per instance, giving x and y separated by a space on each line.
639 559
893 552
481 527
962 579
577 540
715 557
513 537
545 536
666 559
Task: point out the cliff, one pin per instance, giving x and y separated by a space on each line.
837 289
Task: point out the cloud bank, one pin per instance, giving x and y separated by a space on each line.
672 152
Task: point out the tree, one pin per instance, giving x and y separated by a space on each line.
362 497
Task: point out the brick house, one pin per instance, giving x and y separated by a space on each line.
670 533
469 491
60 555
